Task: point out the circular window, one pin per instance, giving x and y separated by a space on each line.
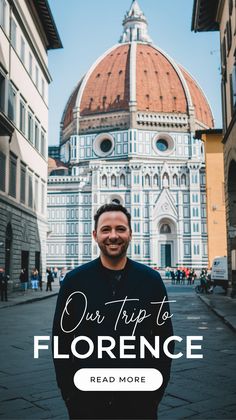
106 145
162 145
116 201
103 145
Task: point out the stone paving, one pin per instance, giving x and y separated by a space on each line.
202 388
199 388
19 297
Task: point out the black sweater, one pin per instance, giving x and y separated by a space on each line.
92 280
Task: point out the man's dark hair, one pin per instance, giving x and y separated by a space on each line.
111 207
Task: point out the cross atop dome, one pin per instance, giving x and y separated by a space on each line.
135 25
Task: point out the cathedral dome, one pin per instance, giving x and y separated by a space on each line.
57 167
136 75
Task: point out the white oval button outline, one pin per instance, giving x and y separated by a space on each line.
107 379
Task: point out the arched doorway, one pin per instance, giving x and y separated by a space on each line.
167 243
8 246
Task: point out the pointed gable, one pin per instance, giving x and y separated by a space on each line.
164 206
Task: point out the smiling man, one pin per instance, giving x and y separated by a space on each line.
117 291
113 233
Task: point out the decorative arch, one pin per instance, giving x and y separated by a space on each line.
175 180
183 180
104 181
122 180
155 179
165 229
147 180
165 180
113 181
166 242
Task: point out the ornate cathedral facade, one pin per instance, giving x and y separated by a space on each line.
127 134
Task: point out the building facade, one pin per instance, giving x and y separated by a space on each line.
27 32
127 134
221 15
215 186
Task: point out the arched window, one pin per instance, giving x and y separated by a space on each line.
116 201
104 181
122 180
183 180
155 179
165 228
113 181
175 180
165 180
147 180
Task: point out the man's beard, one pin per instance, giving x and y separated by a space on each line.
115 254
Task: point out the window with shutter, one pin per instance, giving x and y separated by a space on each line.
22 183
30 190
12 177
2 171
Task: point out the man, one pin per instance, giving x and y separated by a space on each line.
3 284
50 279
62 275
111 278
23 280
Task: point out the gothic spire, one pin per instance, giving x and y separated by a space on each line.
135 25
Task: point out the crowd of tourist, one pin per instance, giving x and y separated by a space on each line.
181 275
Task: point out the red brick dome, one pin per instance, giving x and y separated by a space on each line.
56 167
161 86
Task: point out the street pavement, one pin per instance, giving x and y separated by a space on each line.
18 297
203 388
199 388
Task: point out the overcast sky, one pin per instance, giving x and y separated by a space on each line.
88 28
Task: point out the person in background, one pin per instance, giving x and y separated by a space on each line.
40 282
167 271
187 272
192 276
203 281
50 280
34 279
62 275
3 284
178 276
183 276
23 280
172 273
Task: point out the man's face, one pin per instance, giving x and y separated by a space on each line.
113 234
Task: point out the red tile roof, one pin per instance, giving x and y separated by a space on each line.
159 87
107 88
202 109
55 164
